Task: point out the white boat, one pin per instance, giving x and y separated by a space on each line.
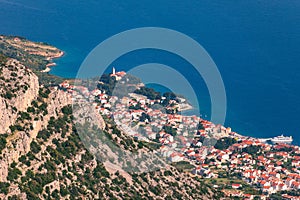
282 139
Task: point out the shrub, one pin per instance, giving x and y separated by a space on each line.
44 93
14 74
2 141
67 110
35 147
30 109
16 127
8 95
24 116
224 143
13 174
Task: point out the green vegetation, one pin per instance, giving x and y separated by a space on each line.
169 129
35 147
4 188
145 117
44 93
276 196
108 83
49 79
8 95
151 145
138 106
224 143
3 59
13 173
252 150
16 127
67 110
2 141
200 126
57 153
148 92
183 166
34 62
24 116
89 178
170 96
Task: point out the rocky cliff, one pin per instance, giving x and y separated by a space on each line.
19 90
19 86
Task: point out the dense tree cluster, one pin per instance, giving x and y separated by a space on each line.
224 143
169 129
150 93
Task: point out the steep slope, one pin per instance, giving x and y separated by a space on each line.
25 109
19 86
43 157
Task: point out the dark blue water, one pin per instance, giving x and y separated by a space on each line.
255 45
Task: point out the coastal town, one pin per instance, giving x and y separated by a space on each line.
231 161
149 100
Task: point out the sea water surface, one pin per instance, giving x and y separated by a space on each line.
255 45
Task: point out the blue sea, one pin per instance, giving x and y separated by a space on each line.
255 44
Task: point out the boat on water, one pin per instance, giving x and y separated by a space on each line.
282 139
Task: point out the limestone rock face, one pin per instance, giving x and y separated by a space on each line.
19 144
18 87
12 153
85 112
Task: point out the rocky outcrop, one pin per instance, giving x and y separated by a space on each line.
19 86
25 90
19 143
56 101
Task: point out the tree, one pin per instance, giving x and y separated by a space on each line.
67 110
35 147
200 126
253 150
44 93
169 129
170 96
30 109
8 95
4 188
2 141
13 174
224 143
145 117
150 93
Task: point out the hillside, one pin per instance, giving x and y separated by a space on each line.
42 156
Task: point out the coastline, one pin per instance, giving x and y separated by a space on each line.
183 106
52 64
48 69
